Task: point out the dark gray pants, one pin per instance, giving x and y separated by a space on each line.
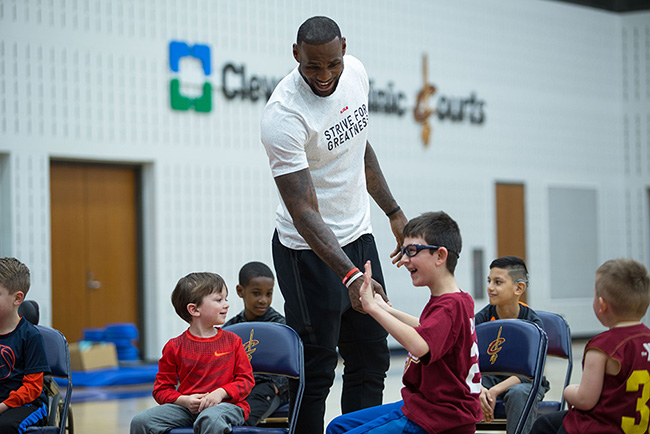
217 419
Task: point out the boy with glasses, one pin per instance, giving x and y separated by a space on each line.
441 379
507 281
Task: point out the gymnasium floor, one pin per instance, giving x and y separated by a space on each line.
112 416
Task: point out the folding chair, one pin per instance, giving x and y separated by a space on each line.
273 349
58 357
512 347
559 345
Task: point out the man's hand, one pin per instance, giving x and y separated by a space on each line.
397 223
354 293
354 290
191 402
487 404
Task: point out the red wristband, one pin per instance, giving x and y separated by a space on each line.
350 273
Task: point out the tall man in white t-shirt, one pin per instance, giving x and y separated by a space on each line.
314 129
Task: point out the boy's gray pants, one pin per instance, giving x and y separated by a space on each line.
515 399
213 420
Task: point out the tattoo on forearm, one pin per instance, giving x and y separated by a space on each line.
299 196
376 183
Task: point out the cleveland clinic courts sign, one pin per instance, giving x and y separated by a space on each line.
192 78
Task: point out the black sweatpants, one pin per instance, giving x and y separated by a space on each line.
550 423
317 306
17 419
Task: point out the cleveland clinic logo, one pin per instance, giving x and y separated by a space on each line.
196 90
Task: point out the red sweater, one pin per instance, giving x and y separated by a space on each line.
190 364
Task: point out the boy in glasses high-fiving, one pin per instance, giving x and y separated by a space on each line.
441 378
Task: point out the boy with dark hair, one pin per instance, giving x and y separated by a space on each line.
256 289
612 396
441 378
204 374
22 354
507 281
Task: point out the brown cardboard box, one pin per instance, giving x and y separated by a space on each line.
85 356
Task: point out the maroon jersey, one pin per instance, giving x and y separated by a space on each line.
624 400
441 389
190 364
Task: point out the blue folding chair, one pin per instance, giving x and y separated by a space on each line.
513 347
559 345
58 357
272 349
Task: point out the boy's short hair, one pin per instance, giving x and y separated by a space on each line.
14 275
252 270
317 31
516 267
192 288
438 229
625 285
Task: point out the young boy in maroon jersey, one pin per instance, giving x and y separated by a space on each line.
204 374
612 396
441 379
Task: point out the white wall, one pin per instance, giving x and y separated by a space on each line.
566 95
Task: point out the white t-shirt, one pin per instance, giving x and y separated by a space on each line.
327 135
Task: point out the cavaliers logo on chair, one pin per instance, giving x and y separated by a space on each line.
495 346
250 345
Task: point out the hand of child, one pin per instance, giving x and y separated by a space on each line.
487 404
366 292
381 302
355 290
191 402
213 398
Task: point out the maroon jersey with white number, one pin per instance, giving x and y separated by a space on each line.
624 400
441 389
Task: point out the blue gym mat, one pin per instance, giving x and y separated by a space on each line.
121 376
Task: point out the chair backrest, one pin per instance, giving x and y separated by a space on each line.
513 347
559 342
29 310
273 349
58 357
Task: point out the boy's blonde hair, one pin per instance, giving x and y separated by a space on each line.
192 288
625 285
14 275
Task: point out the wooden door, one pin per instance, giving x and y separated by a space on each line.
511 222
94 246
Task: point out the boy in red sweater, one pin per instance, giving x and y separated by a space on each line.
204 374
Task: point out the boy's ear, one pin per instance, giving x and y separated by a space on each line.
520 287
19 297
240 290
193 309
441 256
603 306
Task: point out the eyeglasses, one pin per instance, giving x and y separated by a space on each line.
413 249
